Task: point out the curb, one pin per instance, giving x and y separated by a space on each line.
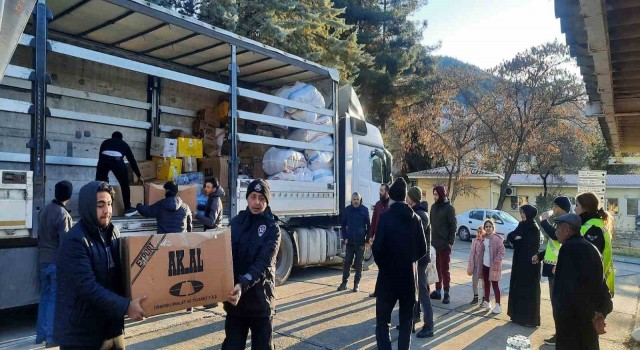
627 260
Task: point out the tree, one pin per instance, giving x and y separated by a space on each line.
400 74
311 29
529 94
445 128
599 154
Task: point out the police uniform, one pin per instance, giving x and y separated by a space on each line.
255 240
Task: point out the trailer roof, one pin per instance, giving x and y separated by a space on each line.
149 33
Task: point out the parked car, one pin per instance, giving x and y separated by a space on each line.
470 220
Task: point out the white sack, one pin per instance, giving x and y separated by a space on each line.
277 160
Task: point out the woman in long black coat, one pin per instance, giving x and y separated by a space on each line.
524 288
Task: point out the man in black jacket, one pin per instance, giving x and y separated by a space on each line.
90 306
171 213
255 238
54 222
414 200
581 298
398 245
355 227
443 235
111 158
213 209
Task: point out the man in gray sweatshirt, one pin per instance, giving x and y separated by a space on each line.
54 222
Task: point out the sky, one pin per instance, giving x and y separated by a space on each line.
487 32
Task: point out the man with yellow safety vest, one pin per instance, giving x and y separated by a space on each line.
597 227
549 256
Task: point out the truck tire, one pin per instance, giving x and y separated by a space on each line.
284 259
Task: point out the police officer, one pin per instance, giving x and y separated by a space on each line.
111 158
255 238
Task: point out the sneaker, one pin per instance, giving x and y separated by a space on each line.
551 341
474 301
446 299
130 212
425 333
497 309
342 287
486 305
356 288
435 295
372 295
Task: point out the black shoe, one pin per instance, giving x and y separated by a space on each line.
130 212
342 287
51 345
551 341
474 301
372 295
446 299
435 295
356 288
425 333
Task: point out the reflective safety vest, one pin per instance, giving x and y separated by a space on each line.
552 251
607 255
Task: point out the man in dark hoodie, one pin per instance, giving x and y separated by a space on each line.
355 226
399 244
54 222
213 209
91 306
111 158
172 214
255 238
380 207
414 200
443 234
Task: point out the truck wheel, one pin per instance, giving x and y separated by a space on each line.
284 259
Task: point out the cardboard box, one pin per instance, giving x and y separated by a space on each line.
252 150
216 166
147 171
213 142
164 147
190 147
175 133
209 116
199 127
137 196
155 192
177 270
189 164
167 168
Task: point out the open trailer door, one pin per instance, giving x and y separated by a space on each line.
14 15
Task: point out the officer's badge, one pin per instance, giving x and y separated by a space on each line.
261 230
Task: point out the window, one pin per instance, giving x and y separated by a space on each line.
632 206
612 206
377 170
476 215
493 215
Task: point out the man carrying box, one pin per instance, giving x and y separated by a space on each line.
213 209
111 158
90 305
256 238
171 213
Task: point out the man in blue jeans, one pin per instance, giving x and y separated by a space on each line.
53 224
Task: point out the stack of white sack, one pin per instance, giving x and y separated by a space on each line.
277 160
305 175
305 135
299 92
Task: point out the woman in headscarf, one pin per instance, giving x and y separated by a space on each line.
524 287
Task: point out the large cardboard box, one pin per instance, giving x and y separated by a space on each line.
176 271
167 168
189 164
209 116
164 147
148 170
188 193
190 147
213 142
137 196
216 166
199 127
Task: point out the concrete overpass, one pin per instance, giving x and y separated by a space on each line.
604 37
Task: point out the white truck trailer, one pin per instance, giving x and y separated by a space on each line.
85 68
